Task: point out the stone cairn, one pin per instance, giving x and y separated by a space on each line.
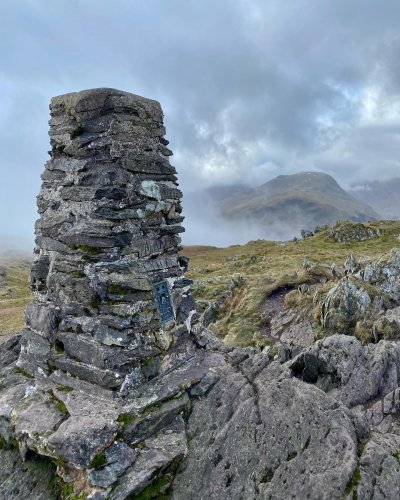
108 281
109 349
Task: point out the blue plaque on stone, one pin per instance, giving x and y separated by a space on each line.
164 303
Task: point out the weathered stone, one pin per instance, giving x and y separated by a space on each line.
39 273
354 374
204 385
9 352
118 458
165 449
351 265
35 354
343 305
300 334
154 419
79 439
42 318
8 401
272 439
344 232
379 470
385 273
34 478
37 415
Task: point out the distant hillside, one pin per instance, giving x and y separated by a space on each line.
292 202
383 196
219 193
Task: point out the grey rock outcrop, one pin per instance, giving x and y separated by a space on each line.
385 274
33 478
270 437
323 425
351 265
345 232
344 304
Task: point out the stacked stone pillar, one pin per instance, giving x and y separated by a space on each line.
110 296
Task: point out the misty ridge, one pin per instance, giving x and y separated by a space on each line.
383 196
281 208
205 224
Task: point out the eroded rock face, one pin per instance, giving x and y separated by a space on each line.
33 478
271 438
385 274
324 425
344 303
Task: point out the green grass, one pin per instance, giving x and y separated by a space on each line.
98 461
155 490
125 419
15 294
351 487
60 405
64 388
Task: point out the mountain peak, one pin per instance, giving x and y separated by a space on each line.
301 181
301 200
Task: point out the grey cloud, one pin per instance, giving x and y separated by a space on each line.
250 89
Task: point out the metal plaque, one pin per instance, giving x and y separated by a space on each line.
164 303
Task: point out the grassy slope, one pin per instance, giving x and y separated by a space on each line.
265 265
14 294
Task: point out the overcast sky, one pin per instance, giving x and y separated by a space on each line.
250 88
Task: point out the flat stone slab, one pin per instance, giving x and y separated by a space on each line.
160 451
79 439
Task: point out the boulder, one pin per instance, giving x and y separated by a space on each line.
343 305
267 439
385 274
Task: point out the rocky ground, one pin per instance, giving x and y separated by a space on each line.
231 423
360 299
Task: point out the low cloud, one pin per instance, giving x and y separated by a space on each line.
206 226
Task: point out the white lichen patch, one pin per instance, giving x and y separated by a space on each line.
29 390
151 189
188 321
